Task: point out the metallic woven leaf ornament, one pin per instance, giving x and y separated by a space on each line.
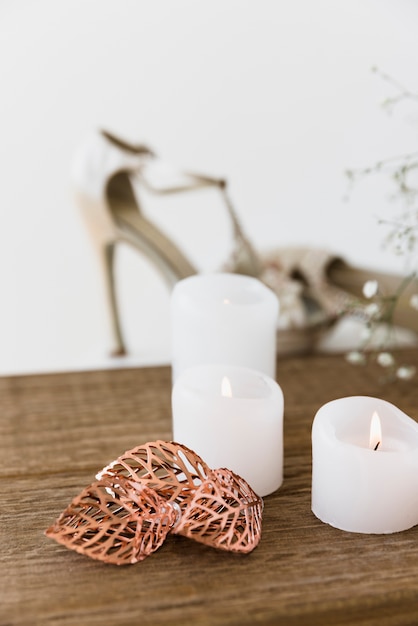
171 469
224 512
154 489
114 524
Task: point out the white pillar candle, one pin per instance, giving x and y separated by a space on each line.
232 417
365 468
223 318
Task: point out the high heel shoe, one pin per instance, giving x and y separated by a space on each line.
315 288
104 172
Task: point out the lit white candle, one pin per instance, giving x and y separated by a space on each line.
365 466
232 417
223 318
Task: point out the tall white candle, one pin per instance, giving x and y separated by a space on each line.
223 318
365 466
232 417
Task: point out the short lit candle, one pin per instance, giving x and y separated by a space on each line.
365 466
223 318
232 417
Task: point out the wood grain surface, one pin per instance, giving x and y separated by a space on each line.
56 431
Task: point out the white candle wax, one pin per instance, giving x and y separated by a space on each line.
356 487
223 318
232 417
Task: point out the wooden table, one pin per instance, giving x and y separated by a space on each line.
57 430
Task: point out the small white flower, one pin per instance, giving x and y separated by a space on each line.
365 333
370 288
372 309
414 301
385 359
355 357
406 372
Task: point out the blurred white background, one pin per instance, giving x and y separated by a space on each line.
276 96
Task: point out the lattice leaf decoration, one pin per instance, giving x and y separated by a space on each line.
173 470
117 523
154 489
224 513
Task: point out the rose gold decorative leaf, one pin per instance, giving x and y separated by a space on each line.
150 490
224 513
171 469
118 523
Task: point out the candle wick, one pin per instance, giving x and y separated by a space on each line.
377 445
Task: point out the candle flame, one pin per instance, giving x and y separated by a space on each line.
226 390
375 432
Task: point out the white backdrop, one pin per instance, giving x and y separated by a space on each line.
277 96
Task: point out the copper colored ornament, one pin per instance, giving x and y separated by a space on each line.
116 524
173 470
154 489
223 513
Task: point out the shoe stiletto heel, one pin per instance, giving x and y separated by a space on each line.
107 253
104 173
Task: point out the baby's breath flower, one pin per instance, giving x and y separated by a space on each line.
385 359
372 309
355 357
365 333
370 288
414 301
406 372
379 314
